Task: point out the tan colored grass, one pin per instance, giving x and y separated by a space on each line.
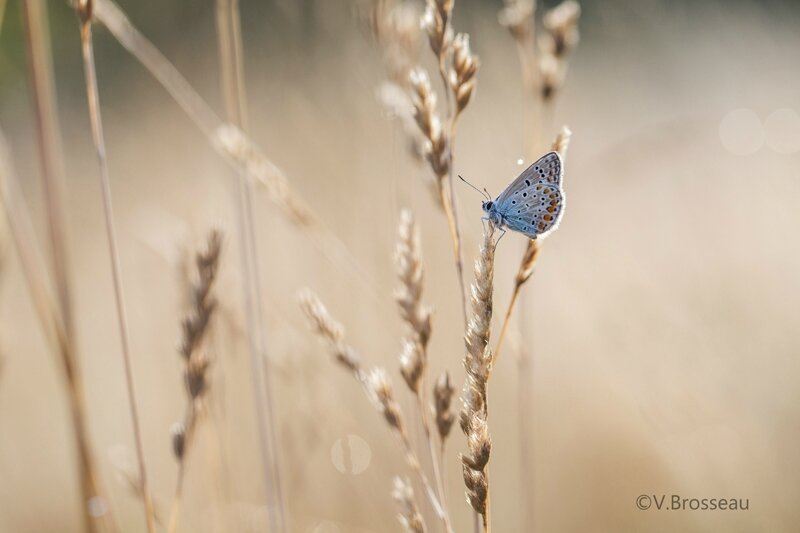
195 328
85 11
459 82
378 387
51 158
478 363
231 50
409 517
414 357
228 140
531 255
49 314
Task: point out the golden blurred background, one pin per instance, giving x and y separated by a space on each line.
662 317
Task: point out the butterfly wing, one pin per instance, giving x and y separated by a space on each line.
538 212
547 169
534 202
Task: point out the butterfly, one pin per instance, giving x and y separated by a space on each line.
534 202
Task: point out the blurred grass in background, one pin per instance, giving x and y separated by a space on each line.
663 313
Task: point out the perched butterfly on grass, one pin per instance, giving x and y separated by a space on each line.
533 203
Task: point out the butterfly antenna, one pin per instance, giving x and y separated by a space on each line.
474 187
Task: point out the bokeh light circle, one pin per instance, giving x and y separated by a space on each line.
351 455
782 131
741 132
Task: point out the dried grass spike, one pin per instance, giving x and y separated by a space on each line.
528 262
412 364
382 393
408 260
561 142
424 101
443 396
561 24
517 16
478 364
409 517
436 23
478 331
330 330
465 68
178 433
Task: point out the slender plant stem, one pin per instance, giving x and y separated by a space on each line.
190 423
506 321
47 309
525 378
446 197
532 134
413 462
233 86
447 191
260 170
105 180
525 387
50 150
437 473
51 156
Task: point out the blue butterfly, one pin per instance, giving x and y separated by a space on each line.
534 202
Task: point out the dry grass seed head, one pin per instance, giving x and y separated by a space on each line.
442 397
178 436
479 442
408 260
528 262
465 68
517 16
196 323
561 25
395 28
412 364
561 142
381 392
329 330
478 364
424 101
436 23
239 148
477 488
552 75
409 517
397 104
479 328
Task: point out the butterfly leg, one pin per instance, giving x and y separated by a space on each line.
500 237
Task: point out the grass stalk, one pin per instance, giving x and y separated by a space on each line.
51 159
233 88
447 191
196 327
186 436
85 14
523 274
435 458
478 362
96 514
378 388
418 319
236 148
50 149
